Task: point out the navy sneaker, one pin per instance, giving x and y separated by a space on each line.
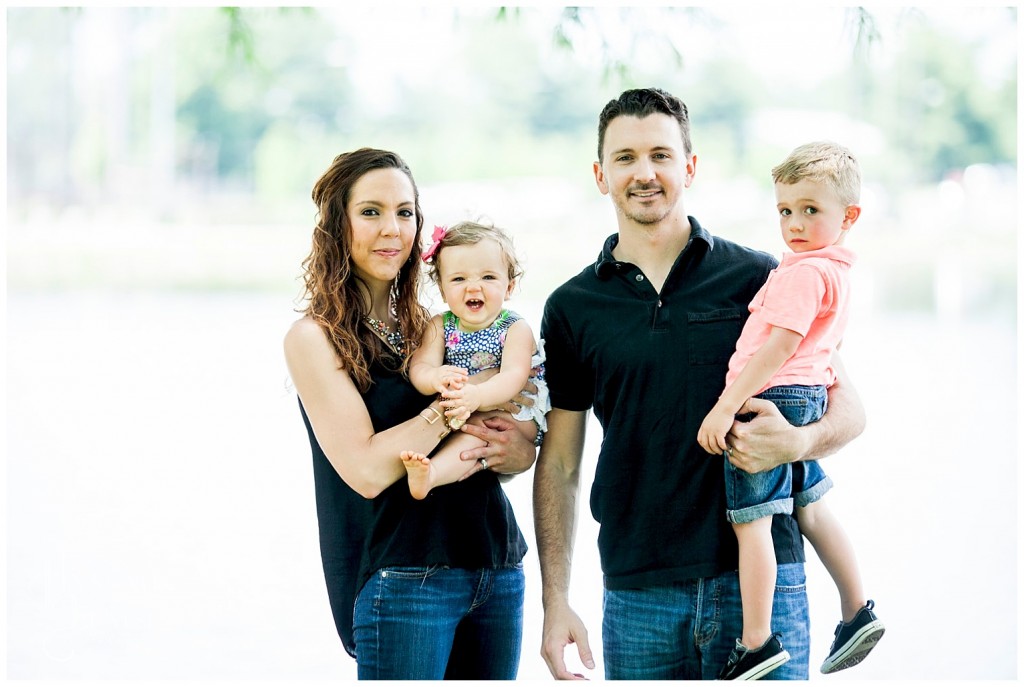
854 640
753 664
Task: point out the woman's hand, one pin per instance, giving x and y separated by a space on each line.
521 400
518 403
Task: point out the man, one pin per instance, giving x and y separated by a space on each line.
643 336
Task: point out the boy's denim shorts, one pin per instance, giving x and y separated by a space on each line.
751 497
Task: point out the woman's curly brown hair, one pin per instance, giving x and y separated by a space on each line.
331 284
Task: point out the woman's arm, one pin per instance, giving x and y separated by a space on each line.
368 462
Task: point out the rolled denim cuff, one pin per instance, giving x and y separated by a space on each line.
761 510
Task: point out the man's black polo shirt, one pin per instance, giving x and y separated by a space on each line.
652 366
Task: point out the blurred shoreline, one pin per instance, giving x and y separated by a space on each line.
160 504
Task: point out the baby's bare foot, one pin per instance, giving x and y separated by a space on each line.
420 473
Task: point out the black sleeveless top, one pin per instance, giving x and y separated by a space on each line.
469 524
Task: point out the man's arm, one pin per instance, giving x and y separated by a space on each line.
556 486
769 440
758 371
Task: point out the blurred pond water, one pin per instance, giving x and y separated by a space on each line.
160 501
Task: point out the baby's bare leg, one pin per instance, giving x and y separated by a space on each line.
528 428
421 473
445 467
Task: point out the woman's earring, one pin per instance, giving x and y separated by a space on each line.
393 298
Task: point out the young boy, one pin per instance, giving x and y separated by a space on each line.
783 355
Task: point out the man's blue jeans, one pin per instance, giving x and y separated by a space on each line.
429 623
685 631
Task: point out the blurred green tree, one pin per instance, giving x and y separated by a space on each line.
258 99
947 114
271 69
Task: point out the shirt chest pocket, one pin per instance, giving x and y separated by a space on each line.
711 336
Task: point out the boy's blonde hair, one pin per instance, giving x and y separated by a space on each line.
825 162
469 233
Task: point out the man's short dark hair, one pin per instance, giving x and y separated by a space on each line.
640 102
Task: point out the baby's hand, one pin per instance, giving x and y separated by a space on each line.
712 432
461 403
450 378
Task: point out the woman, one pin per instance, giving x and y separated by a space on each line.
424 589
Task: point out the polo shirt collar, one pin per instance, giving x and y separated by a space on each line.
607 265
840 253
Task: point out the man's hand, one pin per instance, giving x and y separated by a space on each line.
508 452
765 442
563 627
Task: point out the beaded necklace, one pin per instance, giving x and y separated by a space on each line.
392 338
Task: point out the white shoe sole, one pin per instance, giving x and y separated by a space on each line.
759 671
855 650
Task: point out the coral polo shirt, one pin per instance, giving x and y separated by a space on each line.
808 293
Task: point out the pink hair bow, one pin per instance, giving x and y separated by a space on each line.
439 233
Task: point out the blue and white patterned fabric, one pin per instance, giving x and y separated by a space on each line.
481 350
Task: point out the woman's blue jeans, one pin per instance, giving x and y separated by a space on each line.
429 623
685 631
